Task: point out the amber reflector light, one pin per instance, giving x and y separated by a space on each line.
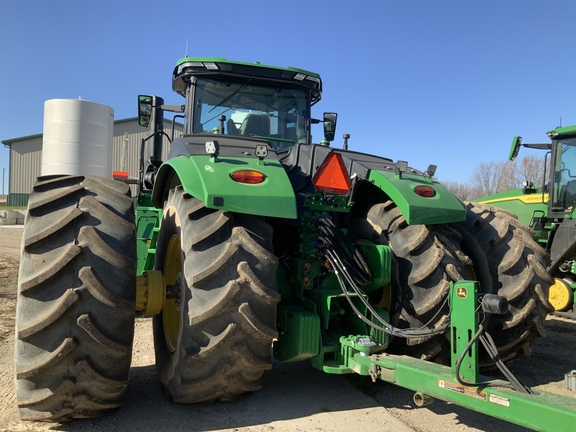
119 175
248 176
425 191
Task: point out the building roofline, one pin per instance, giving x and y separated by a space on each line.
8 142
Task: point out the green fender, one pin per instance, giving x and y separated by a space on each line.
443 207
208 179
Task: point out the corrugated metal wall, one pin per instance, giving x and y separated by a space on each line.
128 137
25 163
26 157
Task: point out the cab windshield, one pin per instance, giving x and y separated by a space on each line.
565 175
272 112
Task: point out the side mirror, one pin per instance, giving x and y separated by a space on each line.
515 148
144 110
330 126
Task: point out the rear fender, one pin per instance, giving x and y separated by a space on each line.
444 207
208 179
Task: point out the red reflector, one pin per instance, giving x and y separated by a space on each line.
120 175
332 176
425 191
248 176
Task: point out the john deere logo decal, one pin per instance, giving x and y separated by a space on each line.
461 292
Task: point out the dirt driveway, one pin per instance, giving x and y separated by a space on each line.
295 397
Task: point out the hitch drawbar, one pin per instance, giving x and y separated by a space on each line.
461 383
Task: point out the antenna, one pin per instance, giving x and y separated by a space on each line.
186 55
560 121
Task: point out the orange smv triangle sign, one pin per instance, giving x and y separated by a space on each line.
332 177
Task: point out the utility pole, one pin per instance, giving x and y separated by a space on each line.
3 169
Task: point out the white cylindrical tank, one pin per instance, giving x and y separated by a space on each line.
78 137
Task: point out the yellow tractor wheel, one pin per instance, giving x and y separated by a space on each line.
172 276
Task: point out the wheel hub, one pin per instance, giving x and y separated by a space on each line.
561 296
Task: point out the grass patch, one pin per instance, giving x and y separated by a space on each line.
5 207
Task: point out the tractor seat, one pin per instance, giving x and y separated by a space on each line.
231 127
255 124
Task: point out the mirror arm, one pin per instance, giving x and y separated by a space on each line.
173 108
538 146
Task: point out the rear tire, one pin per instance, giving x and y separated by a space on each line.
225 316
491 246
426 258
76 295
516 263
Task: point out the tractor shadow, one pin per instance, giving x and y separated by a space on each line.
292 392
296 396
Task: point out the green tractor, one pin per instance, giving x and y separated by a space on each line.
249 239
549 210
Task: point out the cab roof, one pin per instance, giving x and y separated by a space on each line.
187 67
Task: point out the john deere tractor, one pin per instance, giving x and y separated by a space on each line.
249 237
550 210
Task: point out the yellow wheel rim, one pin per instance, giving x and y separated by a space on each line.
172 307
561 295
385 301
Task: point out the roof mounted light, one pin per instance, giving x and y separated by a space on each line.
315 79
197 64
299 77
187 65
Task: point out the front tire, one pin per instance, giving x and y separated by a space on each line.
76 295
214 342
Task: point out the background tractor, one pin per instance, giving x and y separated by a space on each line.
549 210
249 237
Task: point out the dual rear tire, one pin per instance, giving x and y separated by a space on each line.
490 246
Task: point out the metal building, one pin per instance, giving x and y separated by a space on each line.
25 156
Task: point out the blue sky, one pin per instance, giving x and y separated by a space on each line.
448 82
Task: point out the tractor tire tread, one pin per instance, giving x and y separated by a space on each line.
230 302
76 298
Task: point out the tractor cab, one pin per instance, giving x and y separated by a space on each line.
247 99
561 183
563 180
550 212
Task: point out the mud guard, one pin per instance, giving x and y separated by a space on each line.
444 207
208 179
